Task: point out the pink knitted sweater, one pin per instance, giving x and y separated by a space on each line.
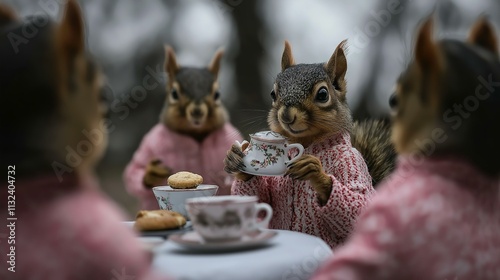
295 204
68 230
181 153
439 219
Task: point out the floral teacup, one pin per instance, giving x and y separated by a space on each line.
227 218
174 199
268 154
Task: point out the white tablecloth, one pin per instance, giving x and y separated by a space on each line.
290 255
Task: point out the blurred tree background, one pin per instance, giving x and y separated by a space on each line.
127 37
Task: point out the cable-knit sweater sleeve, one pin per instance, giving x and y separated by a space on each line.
257 186
351 189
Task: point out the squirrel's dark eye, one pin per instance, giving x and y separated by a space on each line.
216 95
175 95
273 95
322 95
393 101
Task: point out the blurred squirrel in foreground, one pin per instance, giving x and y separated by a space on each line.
193 134
437 216
325 189
53 133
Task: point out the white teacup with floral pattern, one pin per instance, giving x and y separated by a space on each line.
227 218
268 154
175 199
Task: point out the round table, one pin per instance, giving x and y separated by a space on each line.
288 255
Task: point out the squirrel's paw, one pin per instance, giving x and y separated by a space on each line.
305 168
156 174
233 163
309 167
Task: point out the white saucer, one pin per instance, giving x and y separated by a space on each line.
257 173
161 233
192 240
150 242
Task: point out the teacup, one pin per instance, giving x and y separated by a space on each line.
268 154
227 218
174 199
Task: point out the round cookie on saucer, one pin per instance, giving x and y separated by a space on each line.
184 180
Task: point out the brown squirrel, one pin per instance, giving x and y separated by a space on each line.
309 104
60 128
453 89
323 191
53 132
193 134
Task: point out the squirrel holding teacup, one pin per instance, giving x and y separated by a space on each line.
193 133
324 190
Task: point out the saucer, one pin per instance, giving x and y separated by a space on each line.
161 233
149 243
192 240
257 173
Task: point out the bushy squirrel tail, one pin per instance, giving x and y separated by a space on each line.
372 138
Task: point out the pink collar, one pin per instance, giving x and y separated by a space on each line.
341 138
451 167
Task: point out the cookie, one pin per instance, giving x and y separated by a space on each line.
184 180
158 220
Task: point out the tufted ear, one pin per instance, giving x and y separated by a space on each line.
426 50
171 65
71 30
428 57
215 64
287 59
482 34
7 15
336 67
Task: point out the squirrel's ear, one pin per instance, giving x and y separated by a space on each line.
426 50
171 65
287 58
482 34
7 15
215 64
336 67
71 30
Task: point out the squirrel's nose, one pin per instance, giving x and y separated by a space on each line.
286 118
196 113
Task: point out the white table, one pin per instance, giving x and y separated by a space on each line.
289 255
